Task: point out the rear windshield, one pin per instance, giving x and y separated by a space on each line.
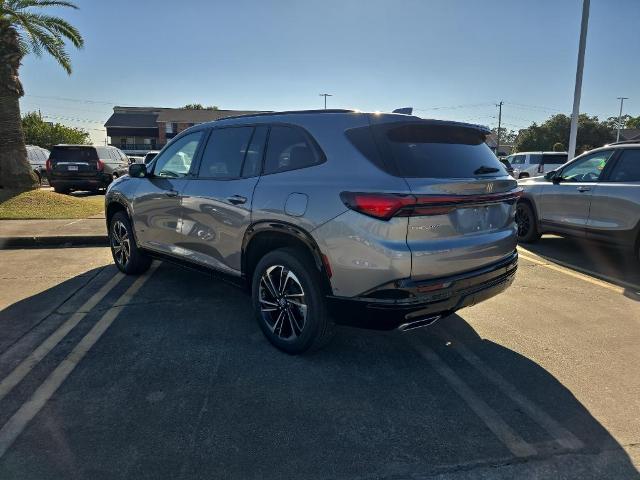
429 151
73 154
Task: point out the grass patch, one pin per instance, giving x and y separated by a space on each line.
44 204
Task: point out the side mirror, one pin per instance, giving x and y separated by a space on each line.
138 170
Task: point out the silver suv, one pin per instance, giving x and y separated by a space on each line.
377 220
595 196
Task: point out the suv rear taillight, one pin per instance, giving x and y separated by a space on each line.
49 165
100 165
387 205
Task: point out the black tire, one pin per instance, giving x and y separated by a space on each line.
62 190
127 256
527 223
292 337
524 175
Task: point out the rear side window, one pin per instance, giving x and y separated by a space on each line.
558 159
73 154
225 151
435 151
627 169
289 148
103 152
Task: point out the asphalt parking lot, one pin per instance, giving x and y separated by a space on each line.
167 376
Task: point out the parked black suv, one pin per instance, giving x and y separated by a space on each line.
84 167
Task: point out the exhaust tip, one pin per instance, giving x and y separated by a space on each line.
423 322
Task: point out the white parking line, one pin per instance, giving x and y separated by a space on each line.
586 275
514 442
23 369
559 434
18 422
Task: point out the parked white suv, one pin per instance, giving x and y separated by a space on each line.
534 164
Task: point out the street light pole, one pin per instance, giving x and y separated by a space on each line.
578 88
622 99
499 126
325 95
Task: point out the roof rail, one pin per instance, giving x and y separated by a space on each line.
289 112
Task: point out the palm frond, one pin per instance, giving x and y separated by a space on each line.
40 33
56 25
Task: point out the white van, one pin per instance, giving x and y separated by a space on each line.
534 164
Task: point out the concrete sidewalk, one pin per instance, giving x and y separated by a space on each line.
36 233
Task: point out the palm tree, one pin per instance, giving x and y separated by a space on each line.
23 30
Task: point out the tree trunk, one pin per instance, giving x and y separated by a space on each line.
15 171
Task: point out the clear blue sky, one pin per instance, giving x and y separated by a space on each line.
370 54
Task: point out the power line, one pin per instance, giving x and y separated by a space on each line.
453 107
80 100
534 107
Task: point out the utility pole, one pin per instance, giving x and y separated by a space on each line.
578 88
622 99
499 125
325 95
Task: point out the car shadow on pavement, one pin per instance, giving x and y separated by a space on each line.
609 263
184 385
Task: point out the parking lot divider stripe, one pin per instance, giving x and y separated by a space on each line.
514 442
24 367
20 419
561 435
569 270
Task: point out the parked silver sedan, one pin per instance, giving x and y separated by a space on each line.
595 196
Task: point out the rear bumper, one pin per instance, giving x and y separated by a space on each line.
405 301
94 181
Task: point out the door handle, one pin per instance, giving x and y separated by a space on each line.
236 199
171 193
584 189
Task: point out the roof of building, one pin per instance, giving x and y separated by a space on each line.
148 117
184 115
133 120
630 134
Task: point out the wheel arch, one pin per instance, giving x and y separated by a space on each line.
265 236
529 201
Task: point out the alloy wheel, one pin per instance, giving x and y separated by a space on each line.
283 305
523 221
120 243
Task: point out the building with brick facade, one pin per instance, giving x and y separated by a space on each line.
136 130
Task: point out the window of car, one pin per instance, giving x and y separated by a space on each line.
586 169
535 158
627 168
289 148
518 160
175 161
554 158
225 152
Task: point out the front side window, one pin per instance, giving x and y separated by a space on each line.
518 160
176 160
225 152
289 149
627 169
587 169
